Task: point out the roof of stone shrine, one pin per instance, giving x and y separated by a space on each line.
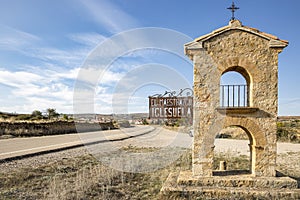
237 25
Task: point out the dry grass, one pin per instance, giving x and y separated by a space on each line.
85 178
233 162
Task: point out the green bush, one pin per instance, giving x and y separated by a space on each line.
145 122
279 124
124 124
286 135
23 117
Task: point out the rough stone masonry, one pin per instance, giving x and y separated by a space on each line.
254 55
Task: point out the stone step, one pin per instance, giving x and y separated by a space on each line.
186 178
207 193
172 190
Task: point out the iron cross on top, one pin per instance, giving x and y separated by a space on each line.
233 8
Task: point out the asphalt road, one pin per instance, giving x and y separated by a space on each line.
141 136
10 148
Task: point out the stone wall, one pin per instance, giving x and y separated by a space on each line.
25 129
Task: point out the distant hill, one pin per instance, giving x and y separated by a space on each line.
131 116
287 118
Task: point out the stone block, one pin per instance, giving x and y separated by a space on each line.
187 186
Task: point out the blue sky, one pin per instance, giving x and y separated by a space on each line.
44 44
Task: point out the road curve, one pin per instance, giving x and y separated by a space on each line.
20 147
141 136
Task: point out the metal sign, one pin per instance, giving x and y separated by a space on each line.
171 106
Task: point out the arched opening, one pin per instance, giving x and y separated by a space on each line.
234 88
233 152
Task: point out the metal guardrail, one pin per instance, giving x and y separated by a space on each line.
234 96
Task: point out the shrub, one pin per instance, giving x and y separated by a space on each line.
124 124
23 117
145 122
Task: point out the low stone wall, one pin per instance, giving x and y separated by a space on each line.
26 129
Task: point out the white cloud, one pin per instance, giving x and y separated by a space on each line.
43 90
68 58
19 78
109 15
13 39
88 39
64 74
94 76
49 83
36 91
36 51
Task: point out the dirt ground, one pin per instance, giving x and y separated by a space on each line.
76 174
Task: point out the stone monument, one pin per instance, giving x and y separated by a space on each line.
252 107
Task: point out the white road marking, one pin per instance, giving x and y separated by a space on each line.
37 148
122 135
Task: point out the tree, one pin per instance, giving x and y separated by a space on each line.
51 113
65 117
36 114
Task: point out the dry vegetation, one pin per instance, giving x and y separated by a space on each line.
232 162
83 177
288 130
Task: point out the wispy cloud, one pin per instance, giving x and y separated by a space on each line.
35 49
68 58
13 39
88 39
49 89
109 15
46 72
94 75
26 84
19 78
